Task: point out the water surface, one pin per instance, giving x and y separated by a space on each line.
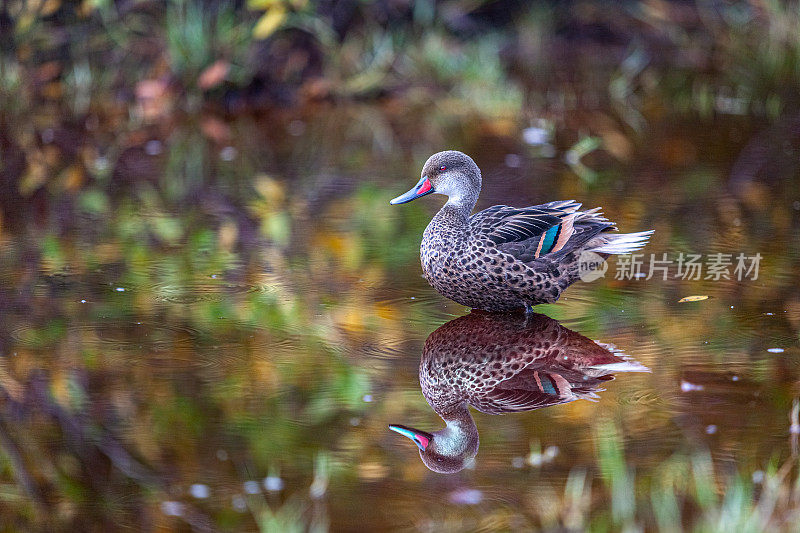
196 333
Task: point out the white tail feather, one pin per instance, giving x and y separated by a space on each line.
623 366
624 243
591 215
588 395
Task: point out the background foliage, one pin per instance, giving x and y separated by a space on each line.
210 313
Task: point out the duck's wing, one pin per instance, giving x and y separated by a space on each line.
528 232
531 389
503 223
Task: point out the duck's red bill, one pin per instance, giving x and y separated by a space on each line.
421 438
422 188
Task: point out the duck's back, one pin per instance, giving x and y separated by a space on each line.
505 258
501 364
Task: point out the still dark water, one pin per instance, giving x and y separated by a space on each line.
213 326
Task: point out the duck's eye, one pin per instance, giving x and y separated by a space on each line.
442 168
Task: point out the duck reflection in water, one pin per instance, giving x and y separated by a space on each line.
503 364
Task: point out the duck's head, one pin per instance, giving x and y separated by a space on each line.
445 451
451 173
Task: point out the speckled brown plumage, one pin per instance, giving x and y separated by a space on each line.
505 258
500 363
503 363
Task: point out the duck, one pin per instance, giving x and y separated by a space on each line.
503 363
506 258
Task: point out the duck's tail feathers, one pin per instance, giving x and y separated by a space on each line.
623 243
562 205
593 216
623 366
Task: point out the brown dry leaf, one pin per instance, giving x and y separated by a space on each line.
372 471
108 252
52 155
617 144
10 386
49 7
270 189
656 10
214 74
351 320
317 89
154 98
35 176
677 151
215 129
73 178
756 195
696 298
228 235
48 71
53 91
500 127
151 89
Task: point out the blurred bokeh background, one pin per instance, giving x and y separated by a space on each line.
209 313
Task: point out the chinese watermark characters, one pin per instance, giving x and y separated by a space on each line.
690 267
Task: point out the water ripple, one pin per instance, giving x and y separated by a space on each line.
209 290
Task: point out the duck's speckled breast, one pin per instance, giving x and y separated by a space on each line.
441 250
443 246
466 266
459 265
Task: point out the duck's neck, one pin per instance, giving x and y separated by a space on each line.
464 200
456 211
460 437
